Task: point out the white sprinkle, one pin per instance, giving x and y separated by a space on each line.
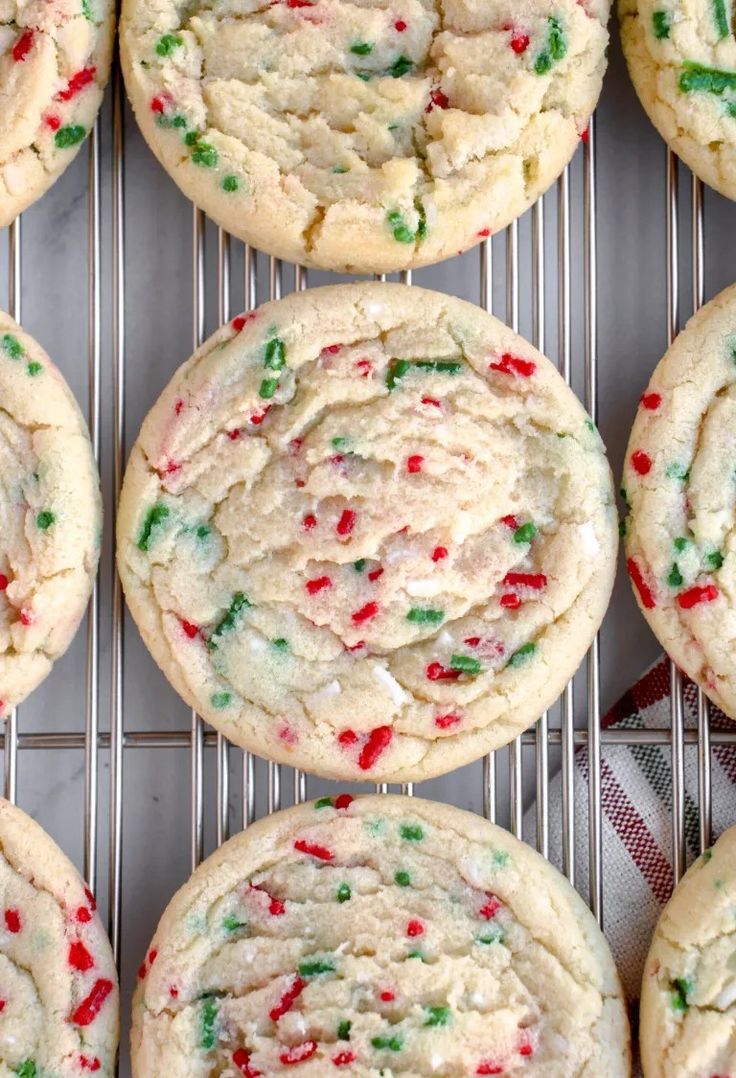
588 538
333 689
445 640
389 681
255 642
478 1000
436 1061
424 587
397 553
299 1024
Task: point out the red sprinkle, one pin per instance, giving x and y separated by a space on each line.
309 522
190 630
23 46
2 1005
234 435
446 721
90 1007
484 233
433 401
3 582
91 899
491 908
365 367
320 582
705 593
79 957
490 1068
275 906
258 417
241 1059
641 462
510 522
288 999
158 105
346 523
365 613
375 574
585 135
89 1063
519 42
509 364
356 647
651 401
343 801
437 99
641 585
437 672
174 992
314 850
526 1048
343 1059
332 349
347 737
77 83
300 1052
377 743
414 464
83 915
12 921
439 553
387 997
242 320
510 601
537 581
400 25
415 928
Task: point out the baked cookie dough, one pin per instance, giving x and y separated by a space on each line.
681 494
58 986
50 515
364 136
688 996
54 63
682 60
383 935
368 531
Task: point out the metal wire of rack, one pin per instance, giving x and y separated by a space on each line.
561 732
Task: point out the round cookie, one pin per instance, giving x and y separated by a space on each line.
58 985
364 137
368 531
682 60
688 1019
383 935
54 63
50 515
681 497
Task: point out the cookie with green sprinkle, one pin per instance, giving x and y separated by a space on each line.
687 1023
681 56
50 515
54 63
367 137
486 962
353 539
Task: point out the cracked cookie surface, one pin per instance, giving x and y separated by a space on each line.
50 515
370 135
54 63
681 56
688 999
681 495
383 935
58 986
369 531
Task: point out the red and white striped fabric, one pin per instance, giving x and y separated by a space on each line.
636 787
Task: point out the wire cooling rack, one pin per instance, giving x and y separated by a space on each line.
541 276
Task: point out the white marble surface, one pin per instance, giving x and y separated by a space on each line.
158 311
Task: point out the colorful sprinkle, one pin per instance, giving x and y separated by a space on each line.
414 464
651 401
422 616
155 516
344 894
91 1006
23 46
556 48
288 999
705 593
226 624
347 522
208 1025
509 364
437 1016
523 654
241 1059
321 853
401 66
79 957
366 613
12 921
167 43
699 78
661 24
411 832
68 136
316 967
77 83
646 594
393 1044
298 1054
681 988
45 519
378 741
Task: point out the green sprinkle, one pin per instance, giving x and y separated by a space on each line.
731 112
590 425
68 136
402 878
364 76
323 803
500 858
495 935
394 1044
155 516
313 969
411 832
275 357
267 388
343 1029
339 170
439 366
661 24
362 48
396 372
401 231
208 1024
173 121
34 368
699 78
205 155
191 138
556 48
437 1016
280 644
232 924
400 66
522 655
525 533
720 18
707 854
714 560
227 623
166 44
344 894
221 700
12 346
341 442
230 184
360 564
203 531
45 519
416 954
674 577
681 988
466 664
677 471
622 527
87 11
27 1069
422 616
681 543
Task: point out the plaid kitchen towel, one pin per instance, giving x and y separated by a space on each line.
636 786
